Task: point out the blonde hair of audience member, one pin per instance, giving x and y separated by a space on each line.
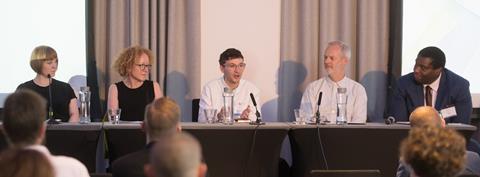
24 116
426 115
432 151
178 155
24 163
44 61
161 116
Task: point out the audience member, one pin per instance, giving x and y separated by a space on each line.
428 116
162 117
432 151
24 163
176 156
24 127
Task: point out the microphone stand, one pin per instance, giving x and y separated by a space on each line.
259 118
51 120
317 114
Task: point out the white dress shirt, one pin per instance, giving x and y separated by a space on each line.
356 99
212 98
62 165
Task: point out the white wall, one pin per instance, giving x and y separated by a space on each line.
251 26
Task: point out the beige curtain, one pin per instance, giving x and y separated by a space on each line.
169 28
308 25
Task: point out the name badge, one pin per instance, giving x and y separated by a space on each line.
448 112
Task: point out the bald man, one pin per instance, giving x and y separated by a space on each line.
428 116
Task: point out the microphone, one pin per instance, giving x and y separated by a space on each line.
319 101
390 120
51 120
259 118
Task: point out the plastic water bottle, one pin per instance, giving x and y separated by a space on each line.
228 106
84 95
342 106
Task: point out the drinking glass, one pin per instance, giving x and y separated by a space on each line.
114 115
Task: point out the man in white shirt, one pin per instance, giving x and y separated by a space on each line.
24 126
336 57
232 65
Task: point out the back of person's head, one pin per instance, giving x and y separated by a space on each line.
161 116
19 162
346 50
432 151
177 155
230 53
24 116
426 115
434 53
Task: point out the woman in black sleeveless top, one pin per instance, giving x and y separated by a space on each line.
134 92
44 62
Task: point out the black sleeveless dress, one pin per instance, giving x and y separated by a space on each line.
133 101
62 93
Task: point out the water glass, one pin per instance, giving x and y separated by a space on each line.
210 115
114 115
299 116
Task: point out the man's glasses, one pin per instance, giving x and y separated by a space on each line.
143 66
234 66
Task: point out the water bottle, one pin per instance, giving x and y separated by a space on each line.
342 106
228 106
84 95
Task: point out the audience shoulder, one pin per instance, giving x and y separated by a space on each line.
69 166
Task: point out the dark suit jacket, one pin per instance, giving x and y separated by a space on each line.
131 165
453 90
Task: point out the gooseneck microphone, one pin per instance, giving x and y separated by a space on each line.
51 120
319 101
259 118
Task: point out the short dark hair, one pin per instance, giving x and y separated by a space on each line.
230 53
24 115
437 56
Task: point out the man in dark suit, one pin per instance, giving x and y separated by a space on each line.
161 118
431 84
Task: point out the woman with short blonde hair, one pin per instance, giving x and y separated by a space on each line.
44 61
